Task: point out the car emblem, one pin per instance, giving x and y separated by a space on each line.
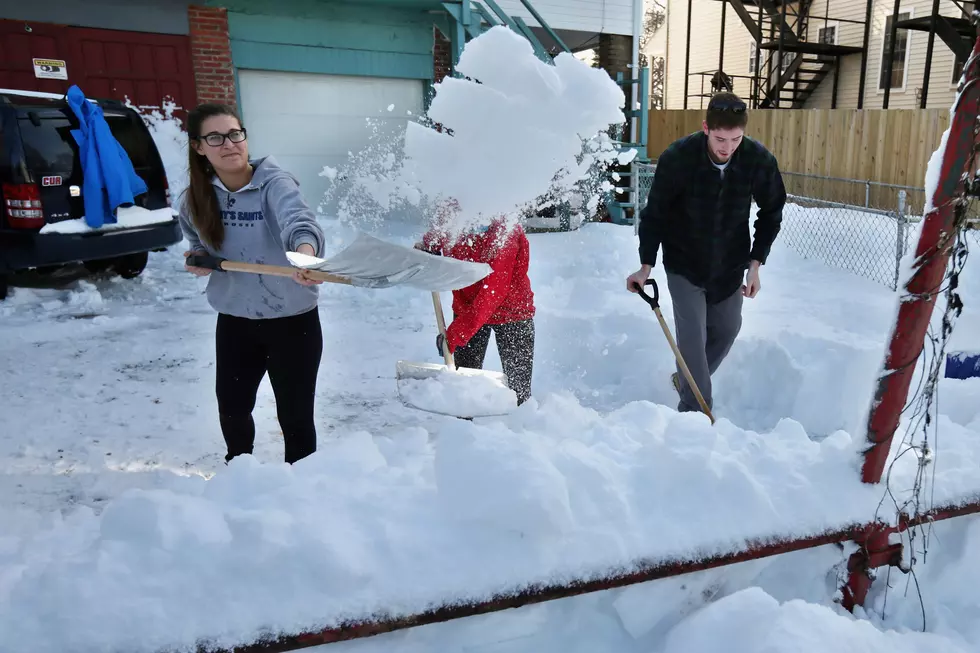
51 181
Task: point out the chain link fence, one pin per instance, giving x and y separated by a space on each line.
863 227
859 226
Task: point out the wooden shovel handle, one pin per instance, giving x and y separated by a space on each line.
685 370
217 263
441 322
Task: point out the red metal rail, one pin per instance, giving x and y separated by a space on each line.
932 253
879 554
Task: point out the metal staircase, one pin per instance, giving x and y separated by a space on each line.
472 18
795 60
957 32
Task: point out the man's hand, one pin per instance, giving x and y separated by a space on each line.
200 272
301 276
752 284
638 278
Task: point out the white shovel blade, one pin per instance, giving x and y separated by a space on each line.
374 263
463 392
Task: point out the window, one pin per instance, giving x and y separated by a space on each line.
901 53
765 57
49 146
968 8
827 34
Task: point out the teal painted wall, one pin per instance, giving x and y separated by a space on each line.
314 36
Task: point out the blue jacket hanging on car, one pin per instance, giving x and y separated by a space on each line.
110 180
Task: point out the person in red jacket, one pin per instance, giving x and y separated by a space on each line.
501 302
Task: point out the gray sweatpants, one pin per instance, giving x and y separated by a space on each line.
704 333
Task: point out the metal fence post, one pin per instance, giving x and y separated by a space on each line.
867 194
900 236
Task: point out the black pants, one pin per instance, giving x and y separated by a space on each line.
289 349
515 344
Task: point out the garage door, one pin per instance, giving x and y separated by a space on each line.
308 121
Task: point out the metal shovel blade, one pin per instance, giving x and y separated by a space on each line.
462 392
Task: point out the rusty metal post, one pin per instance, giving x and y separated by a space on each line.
932 258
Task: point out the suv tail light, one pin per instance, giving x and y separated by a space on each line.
22 205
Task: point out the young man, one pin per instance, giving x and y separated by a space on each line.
698 211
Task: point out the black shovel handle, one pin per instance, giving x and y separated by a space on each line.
205 261
654 301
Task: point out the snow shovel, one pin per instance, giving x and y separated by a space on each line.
484 393
218 263
368 262
654 303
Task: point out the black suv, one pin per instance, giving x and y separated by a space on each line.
42 185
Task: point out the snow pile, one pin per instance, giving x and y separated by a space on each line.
127 217
751 621
171 141
552 492
462 393
772 605
934 169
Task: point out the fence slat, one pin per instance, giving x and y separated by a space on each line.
892 146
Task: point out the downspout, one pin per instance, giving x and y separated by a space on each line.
637 31
635 126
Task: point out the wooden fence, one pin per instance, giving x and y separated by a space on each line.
890 146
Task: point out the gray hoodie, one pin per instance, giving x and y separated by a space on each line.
263 221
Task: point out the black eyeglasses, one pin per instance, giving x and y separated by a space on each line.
735 106
214 139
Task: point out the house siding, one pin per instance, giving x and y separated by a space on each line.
605 16
706 28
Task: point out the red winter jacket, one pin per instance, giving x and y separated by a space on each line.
501 297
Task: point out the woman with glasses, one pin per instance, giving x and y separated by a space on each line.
253 211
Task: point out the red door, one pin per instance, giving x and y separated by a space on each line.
144 68
20 44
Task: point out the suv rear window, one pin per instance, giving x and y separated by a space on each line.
51 149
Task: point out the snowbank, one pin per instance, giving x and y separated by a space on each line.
171 141
555 491
751 621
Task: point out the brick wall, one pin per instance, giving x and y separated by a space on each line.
442 55
211 54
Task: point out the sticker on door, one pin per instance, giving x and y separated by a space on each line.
50 69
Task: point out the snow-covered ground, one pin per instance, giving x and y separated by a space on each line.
110 430
121 529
